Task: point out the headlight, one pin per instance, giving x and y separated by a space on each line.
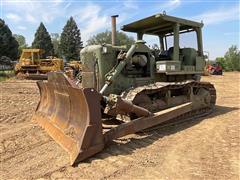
172 67
104 49
162 67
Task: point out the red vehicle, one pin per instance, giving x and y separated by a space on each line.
215 69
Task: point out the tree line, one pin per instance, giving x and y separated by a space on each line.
231 59
67 45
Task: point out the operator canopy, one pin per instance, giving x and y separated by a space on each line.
161 24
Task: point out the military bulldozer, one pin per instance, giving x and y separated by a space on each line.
131 89
31 66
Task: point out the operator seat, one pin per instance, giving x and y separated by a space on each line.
166 55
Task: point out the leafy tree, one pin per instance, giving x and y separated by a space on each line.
42 40
20 39
8 44
22 43
70 41
232 58
105 37
56 42
4 60
221 61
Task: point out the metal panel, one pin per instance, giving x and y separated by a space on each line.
160 24
71 116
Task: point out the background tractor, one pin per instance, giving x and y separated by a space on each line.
130 89
73 69
31 66
215 69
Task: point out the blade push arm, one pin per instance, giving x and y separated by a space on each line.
116 71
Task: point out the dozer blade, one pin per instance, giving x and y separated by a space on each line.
37 76
32 76
71 116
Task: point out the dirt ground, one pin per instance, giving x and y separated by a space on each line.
203 148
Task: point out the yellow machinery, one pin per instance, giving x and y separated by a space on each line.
73 68
31 66
76 65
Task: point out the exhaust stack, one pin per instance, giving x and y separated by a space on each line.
114 31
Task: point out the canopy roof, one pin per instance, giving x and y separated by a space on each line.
160 24
33 50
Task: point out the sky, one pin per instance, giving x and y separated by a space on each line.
220 17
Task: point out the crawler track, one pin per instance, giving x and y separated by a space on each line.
131 94
155 88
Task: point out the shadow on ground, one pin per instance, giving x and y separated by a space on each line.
149 136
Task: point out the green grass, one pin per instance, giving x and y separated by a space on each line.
6 74
3 78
